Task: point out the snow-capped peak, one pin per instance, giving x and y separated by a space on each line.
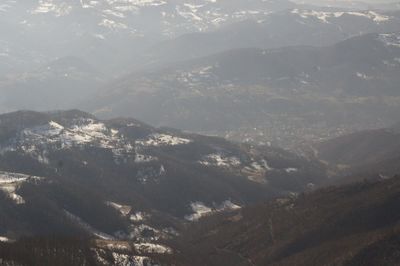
326 16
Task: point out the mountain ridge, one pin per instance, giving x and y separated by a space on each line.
282 84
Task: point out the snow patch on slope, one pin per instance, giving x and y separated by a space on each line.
391 39
124 210
325 16
364 76
201 210
4 239
291 170
138 217
51 7
220 160
150 248
163 140
87 227
10 182
37 141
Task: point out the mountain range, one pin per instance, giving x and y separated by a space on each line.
285 95
106 62
351 225
105 32
308 26
363 154
212 132
52 161
171 196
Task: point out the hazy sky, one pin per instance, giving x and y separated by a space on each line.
332 1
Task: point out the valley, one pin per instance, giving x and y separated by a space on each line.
158 187
199 132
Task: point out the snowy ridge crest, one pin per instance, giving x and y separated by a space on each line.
37 141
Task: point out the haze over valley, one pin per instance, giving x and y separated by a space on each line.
199 132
